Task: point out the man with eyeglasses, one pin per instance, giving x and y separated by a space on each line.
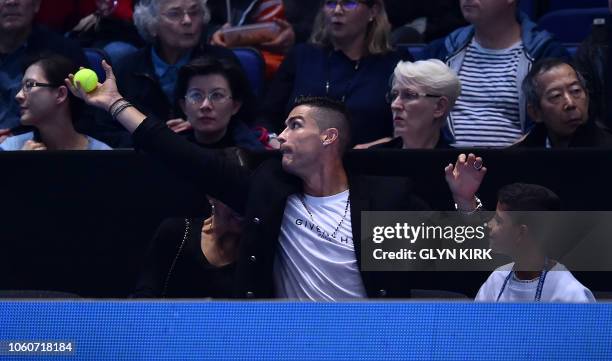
558 101
492 57
20 39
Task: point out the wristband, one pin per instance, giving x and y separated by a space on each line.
478 207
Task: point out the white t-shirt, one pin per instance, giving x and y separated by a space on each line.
559 286
310 264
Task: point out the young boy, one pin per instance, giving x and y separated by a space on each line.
532 276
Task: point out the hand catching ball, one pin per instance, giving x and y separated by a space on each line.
87 78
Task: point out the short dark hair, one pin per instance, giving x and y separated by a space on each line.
530 83
333 106
56 68
230 70
523 197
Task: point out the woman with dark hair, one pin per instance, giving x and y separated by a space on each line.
348 58
173 31
47 105
214 96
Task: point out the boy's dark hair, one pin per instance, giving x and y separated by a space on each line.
523 197
340 121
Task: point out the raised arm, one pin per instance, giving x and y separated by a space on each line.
107 95
205 168
464 179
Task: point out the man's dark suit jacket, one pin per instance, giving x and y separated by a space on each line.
260 196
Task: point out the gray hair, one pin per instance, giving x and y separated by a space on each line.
432 75
530 84
146 16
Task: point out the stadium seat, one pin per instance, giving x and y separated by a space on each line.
580 19
253 64
572 49
415 49
95 57
554 5
528 7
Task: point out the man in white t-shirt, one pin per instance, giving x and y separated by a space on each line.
316 257
302 233
532 276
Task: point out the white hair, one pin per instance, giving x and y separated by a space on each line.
146 16
432 76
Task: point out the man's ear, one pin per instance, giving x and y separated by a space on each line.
329 136
533 113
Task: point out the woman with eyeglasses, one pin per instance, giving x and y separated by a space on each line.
50 108
422 95
147 78
348 58
213 97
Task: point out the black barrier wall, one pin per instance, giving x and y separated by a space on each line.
80 221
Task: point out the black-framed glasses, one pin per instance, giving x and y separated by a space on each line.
344 4
196 97
29 84
406 95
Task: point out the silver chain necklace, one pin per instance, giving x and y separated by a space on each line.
333 235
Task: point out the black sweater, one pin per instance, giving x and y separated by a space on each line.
176 267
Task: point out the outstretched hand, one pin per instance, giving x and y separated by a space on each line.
103 96
464 179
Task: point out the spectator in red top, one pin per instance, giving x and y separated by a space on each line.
259 12
103 24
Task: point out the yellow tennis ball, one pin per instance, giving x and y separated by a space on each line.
87 78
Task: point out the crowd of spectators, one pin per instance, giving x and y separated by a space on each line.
488 77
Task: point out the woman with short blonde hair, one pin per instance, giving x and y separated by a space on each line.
423 94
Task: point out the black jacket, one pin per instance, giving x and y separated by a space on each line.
138 83
398 143
588 135
261 197
176 267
